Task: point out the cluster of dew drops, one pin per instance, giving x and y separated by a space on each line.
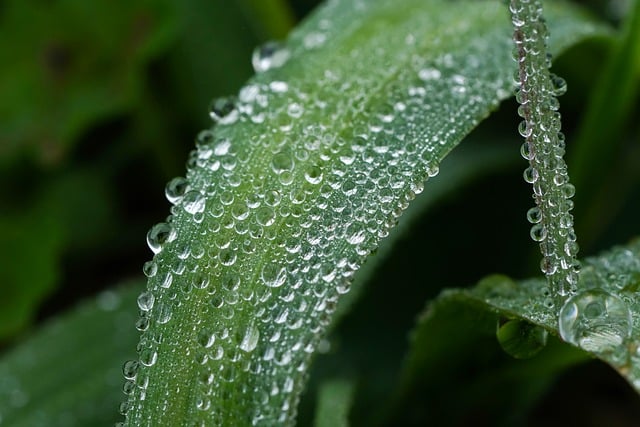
589 316
325 192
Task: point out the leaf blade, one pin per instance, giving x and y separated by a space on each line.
295 187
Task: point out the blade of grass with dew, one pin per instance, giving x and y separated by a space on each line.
302 176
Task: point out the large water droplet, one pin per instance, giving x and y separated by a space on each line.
175 189
521 339
250 339
159 235
595 321
273 275
269 55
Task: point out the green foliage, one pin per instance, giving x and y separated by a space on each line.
360 108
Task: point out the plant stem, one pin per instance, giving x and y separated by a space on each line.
544 148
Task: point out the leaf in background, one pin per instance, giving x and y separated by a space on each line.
29 251
63 67
34 240
456 338
67 374
295 187
334 400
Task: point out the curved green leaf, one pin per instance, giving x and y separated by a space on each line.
67 373
478 310
295 186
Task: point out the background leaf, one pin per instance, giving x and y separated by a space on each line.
67 374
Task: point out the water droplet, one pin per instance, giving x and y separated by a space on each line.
175 189
282 162
250 339
313 175
159 235
145 301
534 215
538 232
427 74
130 369
268 56
521 339
273 275
530 175
223 110
193 202
595 321
559 85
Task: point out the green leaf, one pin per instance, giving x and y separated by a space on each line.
67 374
457 334
296 185
334 401
601 134
34 239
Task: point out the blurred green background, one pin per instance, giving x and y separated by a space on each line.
99 105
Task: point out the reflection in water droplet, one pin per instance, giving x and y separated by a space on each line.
223 110
270 55
159 235
596 321
250 339
521 339
273 275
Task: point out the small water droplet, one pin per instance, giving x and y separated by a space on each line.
595 321
268 56
559 85
223 110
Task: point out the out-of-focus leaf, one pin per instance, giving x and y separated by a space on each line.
68 374
334 401
66 64
71 213
29 249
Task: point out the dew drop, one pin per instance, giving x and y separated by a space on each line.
175 189
313 175
282 162
273 276
595 321
534 215
159 235
559 85
145 301
223 110
268 56
521 339
193 202
250 339
130 369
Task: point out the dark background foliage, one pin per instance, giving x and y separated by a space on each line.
99 105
